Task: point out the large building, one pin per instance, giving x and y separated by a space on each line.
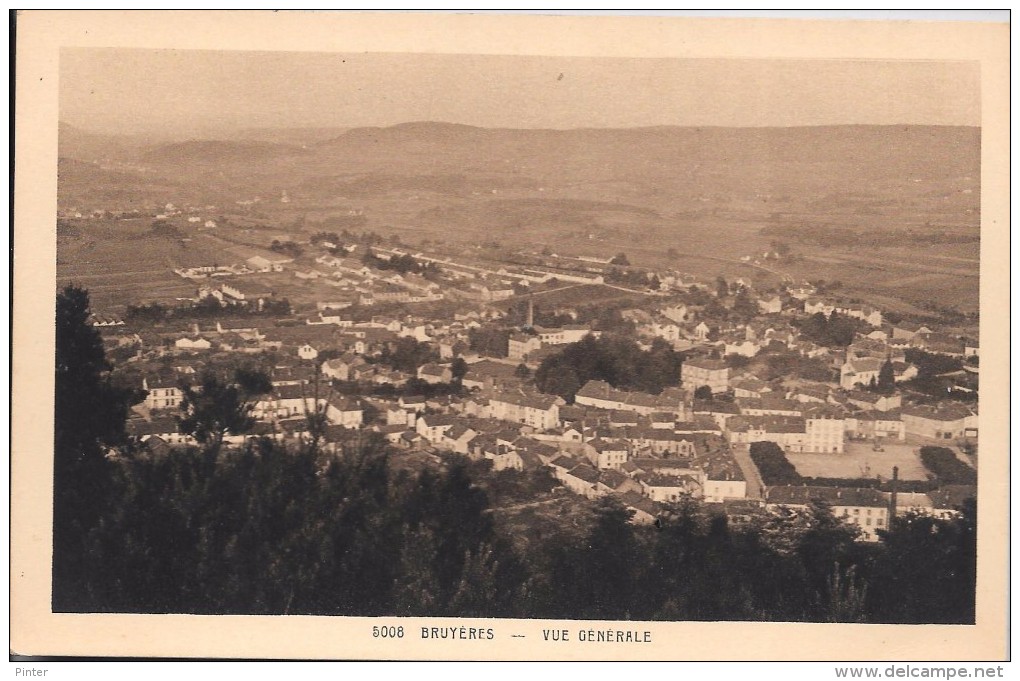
815 433
867 509
541 412
163 393
711 372
945 422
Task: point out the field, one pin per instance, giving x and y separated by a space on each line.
692 200
861 461
580 294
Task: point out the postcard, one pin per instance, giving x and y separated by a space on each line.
405 336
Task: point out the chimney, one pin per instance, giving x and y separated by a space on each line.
531 312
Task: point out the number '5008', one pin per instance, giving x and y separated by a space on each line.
387 632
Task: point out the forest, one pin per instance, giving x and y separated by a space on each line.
273 529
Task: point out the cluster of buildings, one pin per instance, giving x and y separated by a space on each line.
645 449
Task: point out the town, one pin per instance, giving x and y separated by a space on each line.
653 386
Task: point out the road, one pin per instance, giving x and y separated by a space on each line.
755 486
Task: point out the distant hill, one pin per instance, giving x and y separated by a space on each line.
73 142
218 151
868 177
293 136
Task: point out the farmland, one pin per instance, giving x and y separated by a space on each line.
694 200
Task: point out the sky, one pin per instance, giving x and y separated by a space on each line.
196 92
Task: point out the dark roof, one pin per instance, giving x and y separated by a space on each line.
834 496
952 496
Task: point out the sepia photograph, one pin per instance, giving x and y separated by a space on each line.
534 347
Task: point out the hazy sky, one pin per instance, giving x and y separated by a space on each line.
183 92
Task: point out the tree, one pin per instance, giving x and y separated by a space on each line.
927 572
458 369
743 303
522 371
722 289
620 259
886 378
89 415
703 392
218 407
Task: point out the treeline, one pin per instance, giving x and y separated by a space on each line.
207 308
772 464
267 530
835 330
616 360
402 264
946 467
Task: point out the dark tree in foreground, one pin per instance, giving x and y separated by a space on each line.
89 415
928 570
216 407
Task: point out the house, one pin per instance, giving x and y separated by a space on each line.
772 305
698 372
435 373
340 367
458 438
583 480
908 330
645 511
564 335
859 371
345 412
520 345
723 483
245 293
770 406
163 429
292 375
601 395
715 410
675 313
948 500
663 487
612 481
867 509
943 422
192 343
874 401
433 427
243 327
606 454
873 424
286 401
541 412
749 386
744 348
260 263
810 433
163 392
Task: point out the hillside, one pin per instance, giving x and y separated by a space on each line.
218 151
712 197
